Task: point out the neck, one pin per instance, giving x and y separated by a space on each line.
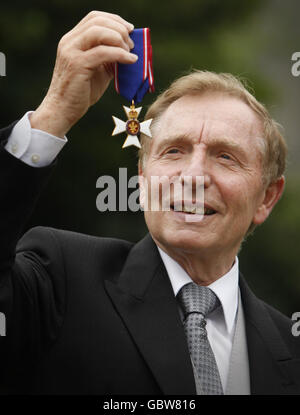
203 269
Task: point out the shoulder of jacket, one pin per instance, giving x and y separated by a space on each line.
63 236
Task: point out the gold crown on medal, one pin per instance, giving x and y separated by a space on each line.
133 112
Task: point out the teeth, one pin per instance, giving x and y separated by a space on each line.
197 210
188 210
192 210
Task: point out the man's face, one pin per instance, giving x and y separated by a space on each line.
215 136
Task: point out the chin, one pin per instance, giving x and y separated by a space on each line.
184 241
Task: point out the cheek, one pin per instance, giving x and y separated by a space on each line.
164 167
159 225
156 179
239 195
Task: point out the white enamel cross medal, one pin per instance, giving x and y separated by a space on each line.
132 127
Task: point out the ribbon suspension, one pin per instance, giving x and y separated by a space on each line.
133 81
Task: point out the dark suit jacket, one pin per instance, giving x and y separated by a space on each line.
90 315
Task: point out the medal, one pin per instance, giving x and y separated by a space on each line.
133 81
133 127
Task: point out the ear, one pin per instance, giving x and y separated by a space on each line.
271 196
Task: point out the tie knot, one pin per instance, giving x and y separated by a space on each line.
197 299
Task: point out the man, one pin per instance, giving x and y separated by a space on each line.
88 315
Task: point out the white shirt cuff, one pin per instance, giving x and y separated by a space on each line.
34 147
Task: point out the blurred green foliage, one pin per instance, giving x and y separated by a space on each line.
205 34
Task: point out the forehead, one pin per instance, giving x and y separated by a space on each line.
209 114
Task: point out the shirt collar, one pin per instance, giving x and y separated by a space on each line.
225 287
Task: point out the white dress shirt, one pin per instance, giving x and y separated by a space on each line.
38 149
34 147
220 323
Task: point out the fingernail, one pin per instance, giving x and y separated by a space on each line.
131 27
131 43
134 57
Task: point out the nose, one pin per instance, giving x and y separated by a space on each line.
196 169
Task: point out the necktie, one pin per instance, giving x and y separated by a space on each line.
197 302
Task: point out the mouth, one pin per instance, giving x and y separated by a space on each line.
195 210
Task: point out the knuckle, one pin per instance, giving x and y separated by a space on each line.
97 20
116 16
67 57
93 30
91 34
123 54
123 32
94 13
62 42
119 38
64 47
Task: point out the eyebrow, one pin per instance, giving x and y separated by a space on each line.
224 141
229 144
174 139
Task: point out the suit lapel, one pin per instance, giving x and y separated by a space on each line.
271 364
145 300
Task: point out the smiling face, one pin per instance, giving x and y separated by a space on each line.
218 137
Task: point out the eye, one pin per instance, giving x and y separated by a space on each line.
173 151
225 156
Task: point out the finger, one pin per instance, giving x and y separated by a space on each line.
108 23
96 36
115 17
110 69
104 54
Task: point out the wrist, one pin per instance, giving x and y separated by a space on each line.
50 121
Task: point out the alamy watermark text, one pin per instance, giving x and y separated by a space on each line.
2 324
2 64
157 193
296 65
